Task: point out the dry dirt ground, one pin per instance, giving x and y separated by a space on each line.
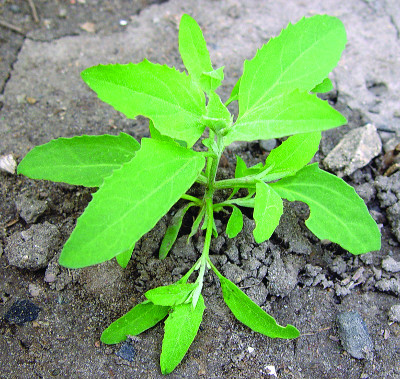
295 277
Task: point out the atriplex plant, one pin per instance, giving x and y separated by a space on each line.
139 183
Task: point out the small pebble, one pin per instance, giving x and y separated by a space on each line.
127 352
268 145
390 265
8 164
353 333
22 311
394 313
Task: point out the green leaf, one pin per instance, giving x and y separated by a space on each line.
171 295
210 81
234 94
131 201
124 258
235 223
250 314
196 223
323 87
181 328
301 57
166 96
83 160
268 209
290 113
140 318
337 213
217 116
292 155
172 231
242 170
193 49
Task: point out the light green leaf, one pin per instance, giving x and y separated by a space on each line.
172 231
301 57
140 318
124 258
171 295
268 209
337 213
242 170
250 314
210 81
292 155
166 96
217 116
323 87
235 223
196 223
234 94
131 201
180 330
83 160
193 49
290 113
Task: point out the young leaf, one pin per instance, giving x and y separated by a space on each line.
250 314
234 94
210 81
337 213
171 295
292 155
193 49
131 201
166 96
124 258
323 87
268 209
140 318
301 57
83 160
172 231
181 327
242 170
290 113
235 223
217 116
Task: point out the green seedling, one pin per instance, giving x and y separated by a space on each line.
139 183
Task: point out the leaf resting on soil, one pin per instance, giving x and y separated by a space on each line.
140 318
131 201
337 213
83 160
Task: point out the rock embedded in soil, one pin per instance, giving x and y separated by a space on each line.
127 352
353 333
393 215
390 265
391 285
388 189
30 209
32 249
22 311
355 150
394 313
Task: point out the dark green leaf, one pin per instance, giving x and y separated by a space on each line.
235 223
172 231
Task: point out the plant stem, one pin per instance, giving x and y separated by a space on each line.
191 198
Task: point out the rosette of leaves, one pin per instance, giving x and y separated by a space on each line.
139 182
